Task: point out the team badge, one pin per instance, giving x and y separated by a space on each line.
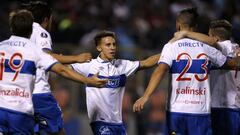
44 35
101 68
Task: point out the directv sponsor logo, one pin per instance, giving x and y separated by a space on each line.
15 43
114 82
188 44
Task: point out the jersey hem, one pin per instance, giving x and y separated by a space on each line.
16 112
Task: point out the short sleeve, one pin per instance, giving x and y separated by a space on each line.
82 68
215 56
44 61
130 67
166 55
44 40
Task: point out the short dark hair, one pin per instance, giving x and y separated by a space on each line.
221 28
21 23
102 34
188 17
39 9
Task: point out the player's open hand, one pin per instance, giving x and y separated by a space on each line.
84 57
139 104
97 82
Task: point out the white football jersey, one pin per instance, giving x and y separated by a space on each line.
105 104
43 40
225 83
19 59
189 63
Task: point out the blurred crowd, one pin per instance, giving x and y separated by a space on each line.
148 24
142 28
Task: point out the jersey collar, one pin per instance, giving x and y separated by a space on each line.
36 24
18 37
100 60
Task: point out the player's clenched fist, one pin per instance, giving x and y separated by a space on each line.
138 105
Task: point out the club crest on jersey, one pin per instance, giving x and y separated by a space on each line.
101 68
44 35
104 130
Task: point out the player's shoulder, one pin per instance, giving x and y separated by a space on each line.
228 43
120 61
189 40
39 31
4 41
86 64
123 62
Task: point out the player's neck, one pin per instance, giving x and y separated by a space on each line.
187 29
105 58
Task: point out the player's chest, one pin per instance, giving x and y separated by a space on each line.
109 69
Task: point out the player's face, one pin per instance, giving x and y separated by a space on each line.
107 48
211 34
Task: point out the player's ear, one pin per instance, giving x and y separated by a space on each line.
216 38
177 26
99 48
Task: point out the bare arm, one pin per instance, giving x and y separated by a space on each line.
149 62
195 35
232 64
156 78
68 59
72 75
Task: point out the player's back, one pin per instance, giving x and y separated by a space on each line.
189 61
19 59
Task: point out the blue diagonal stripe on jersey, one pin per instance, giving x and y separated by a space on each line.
113 81
28 67
177 67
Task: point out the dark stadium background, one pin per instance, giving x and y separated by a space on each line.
142 28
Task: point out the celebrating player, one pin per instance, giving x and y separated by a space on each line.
47 110
224 83
225 93
104 105
19 60
188 61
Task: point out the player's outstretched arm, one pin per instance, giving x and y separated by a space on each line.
72 75
69 59
149 62
195 35
156 78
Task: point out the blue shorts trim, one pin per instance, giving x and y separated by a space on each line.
225 121
188 124
16 123
105 128
48 114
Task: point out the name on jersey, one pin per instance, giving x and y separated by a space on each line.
113 81
190 44
14 92
15 43
191 91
